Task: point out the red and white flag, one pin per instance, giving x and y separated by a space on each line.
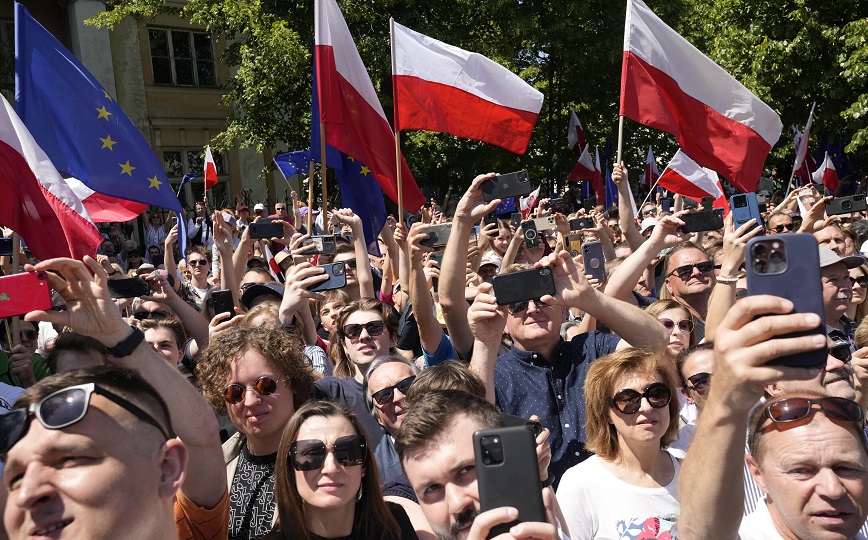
826 174
348 105
584 168
526 204
210 173
597 179
576 136
440 87
668 84
103 208
37 203
652 173
686 177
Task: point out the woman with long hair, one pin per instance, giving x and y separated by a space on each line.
678 322
858 308
327 483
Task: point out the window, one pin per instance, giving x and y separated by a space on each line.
182 58
180 161
7 54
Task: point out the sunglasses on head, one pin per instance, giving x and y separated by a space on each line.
685 325
795 408
157 315
198 262
521 307
374 328
686 271
62 409
264 386
699 382
785 227
387 395
629 401
310 454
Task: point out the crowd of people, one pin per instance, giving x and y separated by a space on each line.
235 400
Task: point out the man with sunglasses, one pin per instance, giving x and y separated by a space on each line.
780 223
689 279
807 449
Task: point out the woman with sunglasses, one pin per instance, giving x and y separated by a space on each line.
858 308
259 377
629 486
327 481
678 323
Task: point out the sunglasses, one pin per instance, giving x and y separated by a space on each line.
699 382
310 454
264 386
629 401
28 335
785 227
198 262
795 408
351 263
521 307
155 315
684 325
387 395
684 272
841 351
649 213
62 409
374 328
862 281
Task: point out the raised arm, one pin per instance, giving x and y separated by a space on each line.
363 264
430 332
169 257
486 321
626 217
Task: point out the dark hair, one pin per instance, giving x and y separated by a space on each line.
74 342
372 518
434 412
344 367
448 375
687 353
172 325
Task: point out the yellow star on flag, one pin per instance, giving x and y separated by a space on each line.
126 168
154 182
365 170
108 142
351 158
106 94
103 113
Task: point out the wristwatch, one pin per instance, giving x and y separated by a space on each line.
128 345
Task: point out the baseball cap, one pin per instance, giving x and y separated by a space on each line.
242 208
647 223
255 291
829 257
230 219
258 206
490 258
145 268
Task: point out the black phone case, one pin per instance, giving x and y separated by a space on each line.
128 288
506 185
529 284
560 205
580 224
515 481
706 220
265 230
800 283
337 277
438 235
593 260
531 235
223 303
489 219
845 205
515 219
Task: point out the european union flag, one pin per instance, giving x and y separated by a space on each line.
359 190
80 127
611 189
507 206
292 163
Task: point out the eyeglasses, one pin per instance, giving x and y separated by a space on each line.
28 335
684 325
700 382
862 281
264 386
310 454
387 395
684 272
198 262
841 351
785 227
521 307
651 212
795 408
157 315
374 328
62 409
629 401
350 263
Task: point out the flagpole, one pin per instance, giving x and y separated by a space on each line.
395 122
310 200
323 167
620 136
16 265
806 133
650 191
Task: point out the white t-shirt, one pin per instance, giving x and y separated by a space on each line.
759 526
598 505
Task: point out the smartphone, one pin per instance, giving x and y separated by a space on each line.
511 421
530 284
588 205
265 228
506 185
337 277
128 287
666 205
507 474
559 205
788 266
438 235
5 247
489 219
515 219
531 236
437 257
580 224
323 244
573 244
744 208
593 260
845 205
24 292
705 220
223 303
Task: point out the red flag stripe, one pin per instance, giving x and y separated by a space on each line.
103 208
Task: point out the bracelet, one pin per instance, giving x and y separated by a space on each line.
726 279
548 481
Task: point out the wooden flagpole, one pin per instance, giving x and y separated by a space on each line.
16 265
620 137
310 200
397 131
323 167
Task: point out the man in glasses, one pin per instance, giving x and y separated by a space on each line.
807 449
780 223
837 291
689 279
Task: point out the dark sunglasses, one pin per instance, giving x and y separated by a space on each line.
387 395
629 401
861 280
785 227
62 409
841 351
795 408
686 271
351 263
310 454
264 386
157 315
684 325
198 262
29 335
649 212
521 307
699 382
374 328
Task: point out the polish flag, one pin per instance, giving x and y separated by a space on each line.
103 208
576 135
348 106
803 140
597 178
442 88
826 174
686 177
668 84
210 169
652 173
526 204
584 168
37 202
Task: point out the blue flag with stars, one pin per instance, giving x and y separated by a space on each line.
80 127
292 163
507 206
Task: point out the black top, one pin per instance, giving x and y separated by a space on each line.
398 512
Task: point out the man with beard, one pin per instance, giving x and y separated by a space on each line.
688 279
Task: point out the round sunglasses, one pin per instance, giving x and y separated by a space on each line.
310 454
629 401
264 386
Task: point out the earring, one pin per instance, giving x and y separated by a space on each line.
359 494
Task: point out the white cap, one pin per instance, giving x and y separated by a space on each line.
258 206
647 223
490 257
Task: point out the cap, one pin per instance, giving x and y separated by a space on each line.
145 268
829 257
257 262
230 219
258 206
255 291
303 211
647 223
243 208
490 257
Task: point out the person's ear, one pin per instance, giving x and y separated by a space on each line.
668 285
754 469
686 395
173 468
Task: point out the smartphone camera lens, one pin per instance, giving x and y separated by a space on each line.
492 450
530 234
338 269
847 205
740 202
